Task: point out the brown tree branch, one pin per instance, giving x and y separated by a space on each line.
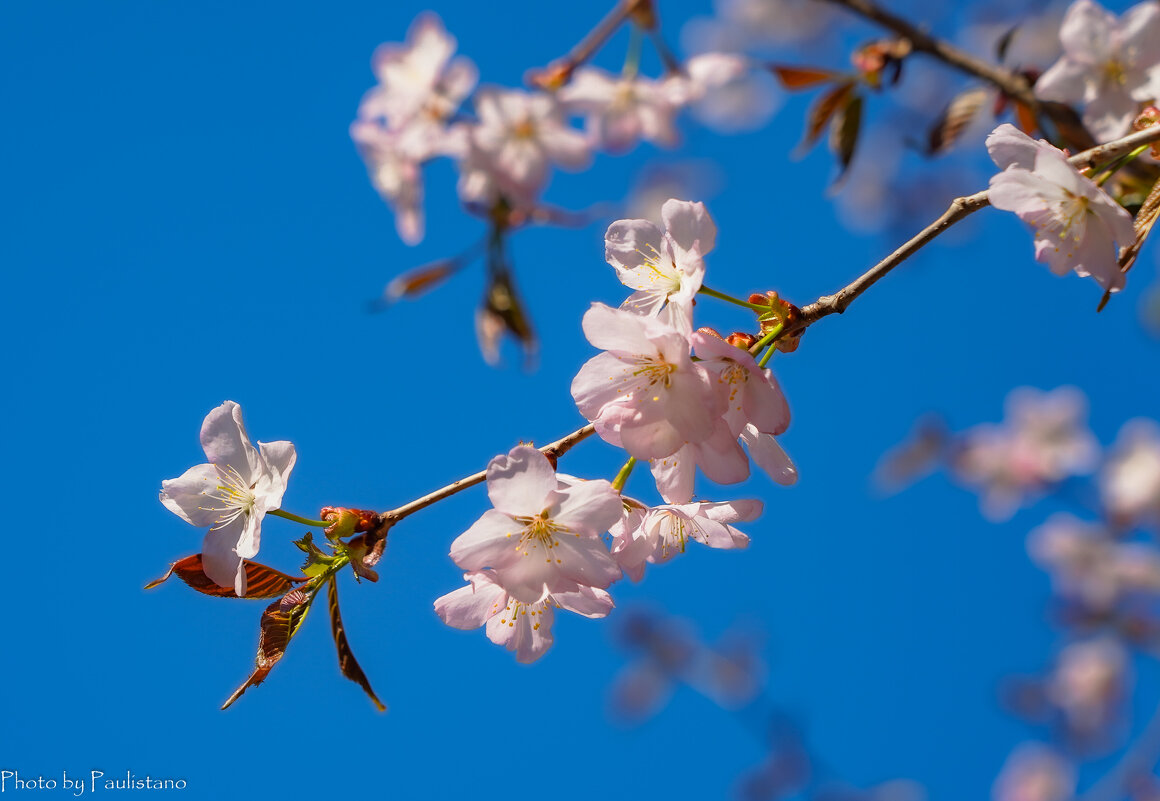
959 209
1012 84
553 451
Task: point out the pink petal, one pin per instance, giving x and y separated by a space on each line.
470 607
690 225
519 482
490 542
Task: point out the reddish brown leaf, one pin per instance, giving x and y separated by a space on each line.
346 661
802 77
954 119
1025 118
844 130
822 110
261 581
280 622
415 282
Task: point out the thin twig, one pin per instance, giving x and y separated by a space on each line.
1012 84
553 452
959 209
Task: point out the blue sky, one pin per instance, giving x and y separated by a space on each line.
186 221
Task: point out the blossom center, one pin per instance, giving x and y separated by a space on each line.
235 495
540 532
656 371
1115 73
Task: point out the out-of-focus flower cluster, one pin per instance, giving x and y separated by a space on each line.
505 150
676 398
1104 569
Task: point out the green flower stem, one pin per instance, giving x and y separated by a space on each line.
769 339
632 57
713 293
1113 167
304 521
622 477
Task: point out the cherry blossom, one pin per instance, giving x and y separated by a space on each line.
396 175
1109 64
1035 772
1088 566
726 92
658 534
543 536
622 111
231 493
1076 223
663 265
644 393
1089 682
519 135
419 82
756 410
1044 440
1130 480
519 626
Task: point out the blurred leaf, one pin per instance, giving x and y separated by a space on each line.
346 661
1025 118
280 622
422 279
261 581
844 130
822 110
1004 43
802 77
955 118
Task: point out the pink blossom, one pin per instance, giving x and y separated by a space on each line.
1043 440
755 409
727 92
231 493
1076 223
1130 480
1035 772
1109 64
1089 566
663 266
518 136
644 393
1089 683
658 534
419 83
395 174
622 111
542 536
525 628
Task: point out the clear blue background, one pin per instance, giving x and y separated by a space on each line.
185 220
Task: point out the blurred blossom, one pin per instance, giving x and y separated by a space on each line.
915 457
402 122
1034 43
620 111
741 25
1089 684
1088 566
1035 772
729 94
1043 440
1130 480
519 135
419 83
1110 65
668 653
895 790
